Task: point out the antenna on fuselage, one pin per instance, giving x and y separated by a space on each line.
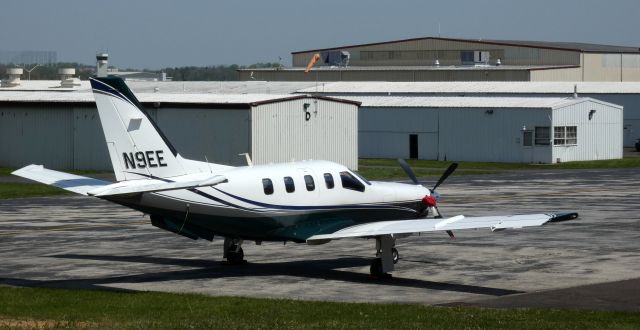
248 157
210 169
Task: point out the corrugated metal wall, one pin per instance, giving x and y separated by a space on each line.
491 135
89 147
598 138
384 132
389 75
217 134
36 134
281 132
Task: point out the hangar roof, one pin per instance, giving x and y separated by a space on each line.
176 87
202 99
422 68
570 46
470 102
479 87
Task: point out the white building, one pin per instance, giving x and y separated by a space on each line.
523 130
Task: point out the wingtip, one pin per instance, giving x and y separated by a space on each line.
559 217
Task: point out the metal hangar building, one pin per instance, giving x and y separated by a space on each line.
489 129
455 59
61 129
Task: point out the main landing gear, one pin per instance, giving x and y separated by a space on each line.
386 257
233 251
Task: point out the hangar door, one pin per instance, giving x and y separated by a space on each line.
397 133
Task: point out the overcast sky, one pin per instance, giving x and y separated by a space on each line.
160 33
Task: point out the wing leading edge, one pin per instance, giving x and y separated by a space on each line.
494 223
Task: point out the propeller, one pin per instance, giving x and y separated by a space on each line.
407 169
430 201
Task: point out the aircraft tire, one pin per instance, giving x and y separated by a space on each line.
233 256
396 255
376 268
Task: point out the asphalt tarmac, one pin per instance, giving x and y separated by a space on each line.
589 263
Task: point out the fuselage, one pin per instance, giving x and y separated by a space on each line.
279 202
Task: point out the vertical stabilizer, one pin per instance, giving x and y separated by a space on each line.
137 147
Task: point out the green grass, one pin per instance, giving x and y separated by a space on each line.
381 169
119 310
21 190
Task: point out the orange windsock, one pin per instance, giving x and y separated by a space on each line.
312 62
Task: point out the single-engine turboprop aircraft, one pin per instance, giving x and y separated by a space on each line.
307 201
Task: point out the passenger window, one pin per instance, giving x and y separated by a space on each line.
350 182
328 179
268 186
308 181
289 185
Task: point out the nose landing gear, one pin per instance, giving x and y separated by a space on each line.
386 257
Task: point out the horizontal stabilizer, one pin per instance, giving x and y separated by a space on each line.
71 182
398 227
153 185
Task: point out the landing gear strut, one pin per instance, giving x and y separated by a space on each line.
233 251
386 256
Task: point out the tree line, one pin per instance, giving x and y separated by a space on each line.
185 73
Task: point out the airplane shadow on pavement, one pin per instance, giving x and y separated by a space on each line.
208 269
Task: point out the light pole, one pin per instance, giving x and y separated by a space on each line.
29 70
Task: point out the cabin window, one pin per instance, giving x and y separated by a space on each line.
542 136
308 181
268 186
328 180
289 185
350 182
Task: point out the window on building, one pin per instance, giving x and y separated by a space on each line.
466 57
267 185
565 135
308 181
542 136
289 185
350 182
328 180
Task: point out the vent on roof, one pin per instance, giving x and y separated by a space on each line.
67 79
14 77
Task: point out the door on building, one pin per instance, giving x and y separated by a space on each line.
527 146
413 146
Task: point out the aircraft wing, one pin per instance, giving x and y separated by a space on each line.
71 182
99 188
494 223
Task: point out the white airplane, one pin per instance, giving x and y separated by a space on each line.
308 201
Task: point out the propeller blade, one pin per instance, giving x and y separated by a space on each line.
445 175
407 169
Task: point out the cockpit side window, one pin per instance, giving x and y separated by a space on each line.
289 185
308 181
350 182
267 185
